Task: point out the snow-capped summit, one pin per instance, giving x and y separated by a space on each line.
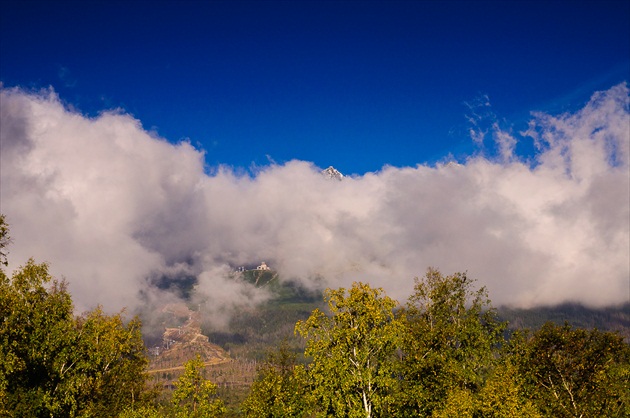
332 173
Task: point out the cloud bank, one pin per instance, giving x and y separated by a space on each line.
119 212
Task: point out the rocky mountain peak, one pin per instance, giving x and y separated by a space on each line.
332 173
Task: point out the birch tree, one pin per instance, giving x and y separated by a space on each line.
4 240
572 372
55 364
450 344
353 353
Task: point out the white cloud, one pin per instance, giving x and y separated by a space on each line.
114 209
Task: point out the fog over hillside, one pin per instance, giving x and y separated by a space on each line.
117 210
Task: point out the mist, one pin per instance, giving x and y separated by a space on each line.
122 214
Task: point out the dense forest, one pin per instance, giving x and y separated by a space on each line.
445 352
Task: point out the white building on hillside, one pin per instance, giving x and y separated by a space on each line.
263 266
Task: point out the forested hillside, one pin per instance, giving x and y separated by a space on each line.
615 318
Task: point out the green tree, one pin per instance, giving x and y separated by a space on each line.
35 323
194 396
353 352
503 395
112 364
144 411
53 364
279 389
572 372
460 403
500 397
450 344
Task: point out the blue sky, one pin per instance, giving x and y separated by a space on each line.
531 98
357 85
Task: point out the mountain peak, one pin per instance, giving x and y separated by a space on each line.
332 173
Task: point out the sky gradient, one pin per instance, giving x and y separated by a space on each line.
357 85
146 144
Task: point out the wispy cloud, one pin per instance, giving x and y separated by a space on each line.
117 210
66 77
484 121
478 113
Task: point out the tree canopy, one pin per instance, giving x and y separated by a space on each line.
353 352
279 389
571 372
55 364
444 353
194 396
450 344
